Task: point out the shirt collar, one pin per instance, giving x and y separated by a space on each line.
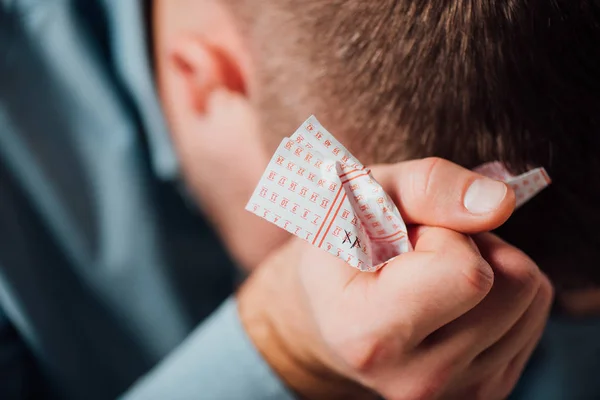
133 64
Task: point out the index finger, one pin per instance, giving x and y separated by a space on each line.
437 192
443 279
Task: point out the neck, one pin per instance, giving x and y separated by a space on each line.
220 167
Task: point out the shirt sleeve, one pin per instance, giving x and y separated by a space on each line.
217 361
19 377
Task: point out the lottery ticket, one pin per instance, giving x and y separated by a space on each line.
526 186
317 190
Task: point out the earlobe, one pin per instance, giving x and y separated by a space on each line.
205 69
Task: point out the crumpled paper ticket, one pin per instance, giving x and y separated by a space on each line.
315 189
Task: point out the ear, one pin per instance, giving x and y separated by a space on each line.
205 70
206 96
216 133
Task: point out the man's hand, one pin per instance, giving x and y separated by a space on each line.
456 318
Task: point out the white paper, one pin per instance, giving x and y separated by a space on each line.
315 189
526 186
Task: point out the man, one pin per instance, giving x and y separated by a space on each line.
102 271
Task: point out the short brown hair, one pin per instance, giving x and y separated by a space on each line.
467 80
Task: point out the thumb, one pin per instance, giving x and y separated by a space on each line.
436 192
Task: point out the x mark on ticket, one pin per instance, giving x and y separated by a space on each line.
315 189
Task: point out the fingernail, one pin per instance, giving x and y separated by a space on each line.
484 196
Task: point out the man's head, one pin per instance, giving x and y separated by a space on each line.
467 80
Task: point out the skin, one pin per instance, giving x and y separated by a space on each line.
456 318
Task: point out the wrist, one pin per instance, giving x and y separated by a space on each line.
292 350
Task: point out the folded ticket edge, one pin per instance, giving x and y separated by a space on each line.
526 186
376 213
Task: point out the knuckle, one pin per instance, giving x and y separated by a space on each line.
365 347
430 386
407 337
477 274
526 276
425 175
362 354
523 274
546 291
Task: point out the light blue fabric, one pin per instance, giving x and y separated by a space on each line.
104 268
239 375
566 364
